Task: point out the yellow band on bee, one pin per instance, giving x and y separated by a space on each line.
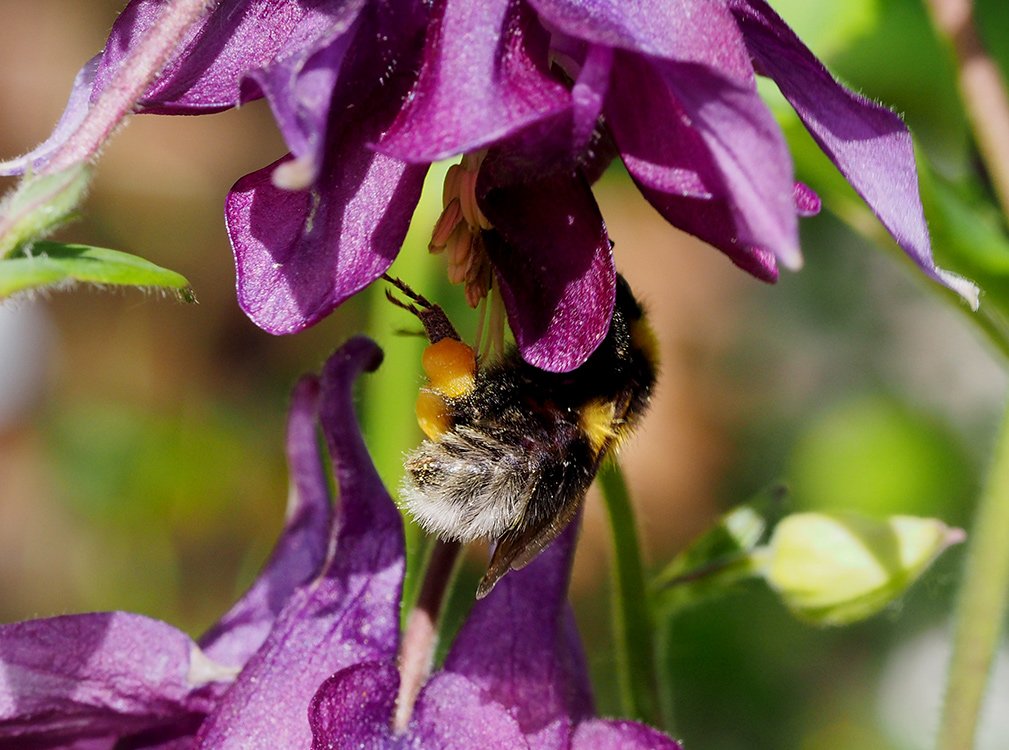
644 340
451 367
596 420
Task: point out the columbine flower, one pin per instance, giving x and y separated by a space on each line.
287 666
514 678
327 599
541 94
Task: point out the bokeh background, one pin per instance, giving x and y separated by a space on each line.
141 462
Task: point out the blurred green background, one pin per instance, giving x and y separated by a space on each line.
141 462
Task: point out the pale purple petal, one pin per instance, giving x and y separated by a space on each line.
718 166
807 202
453 713
689 31
869 144
533 667
354 708
553 265
301 548
484 77
349 614
95 675
299 254
600 734
73 115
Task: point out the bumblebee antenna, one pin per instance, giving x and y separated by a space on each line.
436 324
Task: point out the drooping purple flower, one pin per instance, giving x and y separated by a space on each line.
514 678
540 94
328 598
308 655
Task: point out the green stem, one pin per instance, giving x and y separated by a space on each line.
632 620
981 607
985 99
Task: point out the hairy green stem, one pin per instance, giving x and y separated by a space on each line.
984 593
117 100
632 618
981 609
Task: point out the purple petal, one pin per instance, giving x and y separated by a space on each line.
554 265
300 87
709 156
354 707
689 31
534 667
869 144
236 37
95 675
300 254
485 77
301 548
807 202
453 713
350 614
353 57
73 115
600 734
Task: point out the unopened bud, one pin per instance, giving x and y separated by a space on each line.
834 569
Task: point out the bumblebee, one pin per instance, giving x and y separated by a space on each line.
511 449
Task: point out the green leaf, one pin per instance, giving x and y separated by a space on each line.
53 265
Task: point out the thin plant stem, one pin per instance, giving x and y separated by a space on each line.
632 619
420 638
981 87
984 593
981 608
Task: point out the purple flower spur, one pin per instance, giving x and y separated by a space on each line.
307 657
537 96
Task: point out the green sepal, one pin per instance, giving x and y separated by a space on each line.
718 559
38 205
52 265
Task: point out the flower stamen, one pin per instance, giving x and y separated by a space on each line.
458 230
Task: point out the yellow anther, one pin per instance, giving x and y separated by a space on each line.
451 367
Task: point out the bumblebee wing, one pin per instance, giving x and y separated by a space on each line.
556 493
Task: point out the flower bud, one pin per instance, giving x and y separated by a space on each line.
834 569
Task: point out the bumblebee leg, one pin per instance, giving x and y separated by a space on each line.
407 290
436 324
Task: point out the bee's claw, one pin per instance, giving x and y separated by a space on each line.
436 322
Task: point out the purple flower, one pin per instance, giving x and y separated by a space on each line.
539 95
286 666
514 678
